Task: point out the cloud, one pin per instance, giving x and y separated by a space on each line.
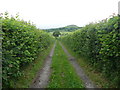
53 13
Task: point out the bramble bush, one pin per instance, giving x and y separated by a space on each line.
22 42
100 44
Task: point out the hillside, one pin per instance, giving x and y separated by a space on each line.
68 28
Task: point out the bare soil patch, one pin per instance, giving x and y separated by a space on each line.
88 83
42 78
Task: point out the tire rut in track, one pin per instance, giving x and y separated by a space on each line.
88 83
41 81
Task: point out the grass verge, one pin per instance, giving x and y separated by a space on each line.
29 72
97 77
63 74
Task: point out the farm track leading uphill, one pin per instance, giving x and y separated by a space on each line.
63 74
88 83
42 78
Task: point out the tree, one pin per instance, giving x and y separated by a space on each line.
56 34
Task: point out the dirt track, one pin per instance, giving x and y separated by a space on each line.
42 78
88 83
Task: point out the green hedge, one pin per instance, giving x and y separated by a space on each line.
100 44
22 42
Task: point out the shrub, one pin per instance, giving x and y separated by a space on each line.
22 42
99 43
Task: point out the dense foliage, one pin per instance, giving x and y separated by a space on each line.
0 53
68 28
56 34
22 42
100 44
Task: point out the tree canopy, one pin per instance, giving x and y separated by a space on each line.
56 33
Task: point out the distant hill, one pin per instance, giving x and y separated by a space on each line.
68 28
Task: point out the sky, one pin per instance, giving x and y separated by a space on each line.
59 13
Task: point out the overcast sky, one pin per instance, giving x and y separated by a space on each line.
59 13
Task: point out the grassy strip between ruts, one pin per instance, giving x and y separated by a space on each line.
94 75
31 70
63 74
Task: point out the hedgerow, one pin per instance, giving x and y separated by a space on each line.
21 43
99 43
